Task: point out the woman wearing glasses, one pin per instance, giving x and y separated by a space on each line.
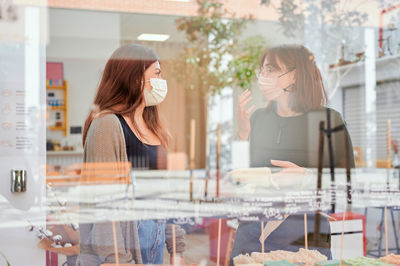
287 129
285 134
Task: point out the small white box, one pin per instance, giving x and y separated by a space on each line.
349 226
352 239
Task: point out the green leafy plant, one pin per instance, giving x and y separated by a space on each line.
325 12
246 61
214 58
213 41
333 22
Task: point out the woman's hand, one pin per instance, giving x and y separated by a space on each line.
291 174
244 115
286 165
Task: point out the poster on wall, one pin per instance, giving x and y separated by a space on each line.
18 120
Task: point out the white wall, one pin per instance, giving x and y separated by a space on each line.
83 41
22 73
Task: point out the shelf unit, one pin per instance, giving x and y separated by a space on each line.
349 84
62 108
56 107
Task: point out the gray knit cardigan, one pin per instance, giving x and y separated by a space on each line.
105 142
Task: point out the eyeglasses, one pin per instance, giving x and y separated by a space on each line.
262 73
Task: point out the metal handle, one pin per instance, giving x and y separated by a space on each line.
18 180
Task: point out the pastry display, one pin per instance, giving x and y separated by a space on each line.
328 263
309 256
251 264
302 256
361 261
243 259
392 259
278 263
275 255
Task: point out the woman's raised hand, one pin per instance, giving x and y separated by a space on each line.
244 115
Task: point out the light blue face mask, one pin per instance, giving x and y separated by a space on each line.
158 92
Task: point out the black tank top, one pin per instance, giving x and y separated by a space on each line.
142 156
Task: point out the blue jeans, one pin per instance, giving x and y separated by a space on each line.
152 241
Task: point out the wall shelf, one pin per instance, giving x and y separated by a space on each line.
353 75
57 87
56 107
63 108
56 128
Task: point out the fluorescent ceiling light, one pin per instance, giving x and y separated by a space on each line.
153 37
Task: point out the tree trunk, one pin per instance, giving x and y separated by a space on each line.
196 106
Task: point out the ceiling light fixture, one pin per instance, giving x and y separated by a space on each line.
153 37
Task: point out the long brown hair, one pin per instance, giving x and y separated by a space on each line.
121 89
308 92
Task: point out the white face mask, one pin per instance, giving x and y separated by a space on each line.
158 92
269 87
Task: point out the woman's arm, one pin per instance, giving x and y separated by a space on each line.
101 242
180 239
105 143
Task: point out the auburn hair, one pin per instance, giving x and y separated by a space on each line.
121 90
308 92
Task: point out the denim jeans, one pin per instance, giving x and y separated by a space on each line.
152 241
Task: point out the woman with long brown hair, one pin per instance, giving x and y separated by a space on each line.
125 126
291 82
285 134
